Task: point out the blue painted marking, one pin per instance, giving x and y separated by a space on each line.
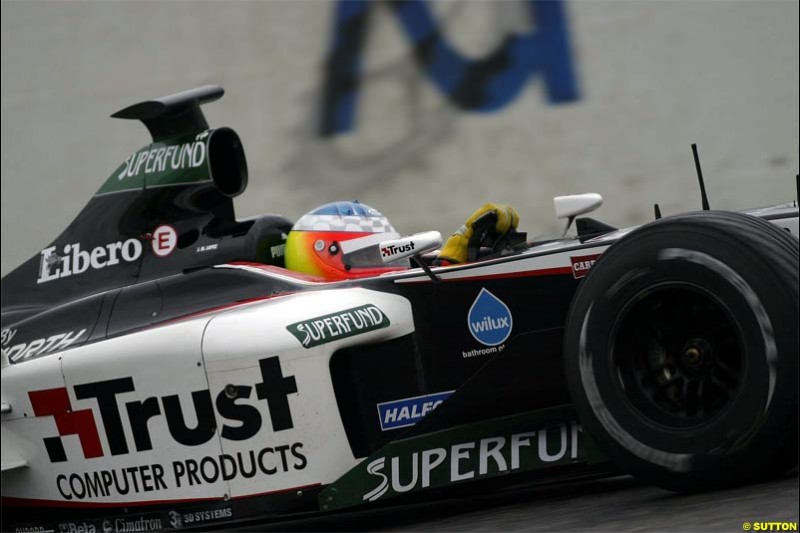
481 85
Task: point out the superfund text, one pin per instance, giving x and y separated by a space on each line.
159 159
467 460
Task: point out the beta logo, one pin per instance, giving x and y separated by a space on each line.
408 411
581 264
489 319
165 239
77 527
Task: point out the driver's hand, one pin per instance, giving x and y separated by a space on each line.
455 250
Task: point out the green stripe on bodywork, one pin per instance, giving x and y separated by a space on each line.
176 160
524 442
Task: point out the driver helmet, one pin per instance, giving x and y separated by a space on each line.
339 241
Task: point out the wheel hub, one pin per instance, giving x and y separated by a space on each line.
697 355
678 355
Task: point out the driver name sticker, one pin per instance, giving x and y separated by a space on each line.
340 325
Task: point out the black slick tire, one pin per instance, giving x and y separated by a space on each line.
681 351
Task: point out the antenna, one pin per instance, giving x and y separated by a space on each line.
703 196
657 211
424 266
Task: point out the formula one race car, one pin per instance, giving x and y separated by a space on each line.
162 370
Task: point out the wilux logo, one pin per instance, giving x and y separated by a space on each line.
489 319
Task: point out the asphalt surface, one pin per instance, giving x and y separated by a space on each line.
616 504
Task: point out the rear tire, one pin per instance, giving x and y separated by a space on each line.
681 351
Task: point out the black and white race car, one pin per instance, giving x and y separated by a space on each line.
161 370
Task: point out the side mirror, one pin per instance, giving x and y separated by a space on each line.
576 204
404 247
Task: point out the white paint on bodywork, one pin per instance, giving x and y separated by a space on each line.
19 379
169 360
789 223
235 342
161 361
16 452
528 262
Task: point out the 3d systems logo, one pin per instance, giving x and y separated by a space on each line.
489 319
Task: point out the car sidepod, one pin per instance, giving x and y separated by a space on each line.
232 411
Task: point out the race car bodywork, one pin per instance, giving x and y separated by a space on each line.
161 370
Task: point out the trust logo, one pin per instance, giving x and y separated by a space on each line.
55 403
393 249
234 418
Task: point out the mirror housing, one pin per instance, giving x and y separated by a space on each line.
404 247
573 205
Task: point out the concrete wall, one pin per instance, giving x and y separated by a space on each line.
649 79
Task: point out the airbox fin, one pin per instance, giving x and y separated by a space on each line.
173 114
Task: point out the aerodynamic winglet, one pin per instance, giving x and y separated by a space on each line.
173 114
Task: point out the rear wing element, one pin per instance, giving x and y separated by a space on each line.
174 114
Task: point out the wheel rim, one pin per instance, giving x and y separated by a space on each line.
677 355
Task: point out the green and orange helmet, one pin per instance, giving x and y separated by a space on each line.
339 241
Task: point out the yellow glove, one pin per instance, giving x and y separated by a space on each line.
456 247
